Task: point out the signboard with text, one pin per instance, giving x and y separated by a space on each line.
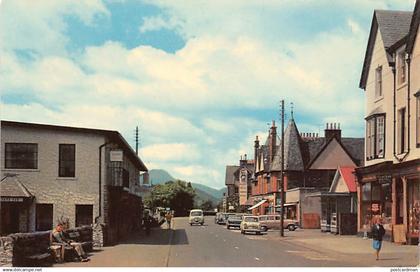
116 156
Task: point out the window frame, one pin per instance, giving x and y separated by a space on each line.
401 68
60 161
372 137
8 152
378 82
417 95
402 130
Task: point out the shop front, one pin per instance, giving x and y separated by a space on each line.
391 191
15 201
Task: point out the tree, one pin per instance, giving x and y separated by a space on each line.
176 195
207 205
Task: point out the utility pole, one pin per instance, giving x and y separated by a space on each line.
282 172
137 140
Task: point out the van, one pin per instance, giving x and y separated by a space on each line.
196 217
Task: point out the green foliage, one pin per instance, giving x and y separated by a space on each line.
207 205
176 195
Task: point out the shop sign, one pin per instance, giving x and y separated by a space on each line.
383 179
11 199
243 193
116 156
375 207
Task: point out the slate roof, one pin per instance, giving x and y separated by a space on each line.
394 26
12 187
292 150
414 26
230 174
299 152
112 134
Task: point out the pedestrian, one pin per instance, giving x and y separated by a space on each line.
59 238
147 222
378 233
168 218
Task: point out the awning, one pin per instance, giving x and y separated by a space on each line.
12 190
287 204
258 204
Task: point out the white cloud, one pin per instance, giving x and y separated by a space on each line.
179 152
39 25
154 23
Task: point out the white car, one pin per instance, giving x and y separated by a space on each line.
250 223
196 217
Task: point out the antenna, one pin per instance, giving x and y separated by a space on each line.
291 106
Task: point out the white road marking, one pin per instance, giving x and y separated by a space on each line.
236 247
257 259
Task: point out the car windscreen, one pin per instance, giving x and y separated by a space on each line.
235 217
251 219
196 213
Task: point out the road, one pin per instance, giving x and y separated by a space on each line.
210 245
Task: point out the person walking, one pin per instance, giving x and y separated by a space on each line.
168 218
378 233
147 222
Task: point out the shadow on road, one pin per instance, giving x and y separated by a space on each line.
158 236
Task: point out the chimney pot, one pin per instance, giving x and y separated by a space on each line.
245 157
338 125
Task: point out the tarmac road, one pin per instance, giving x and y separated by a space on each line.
213 245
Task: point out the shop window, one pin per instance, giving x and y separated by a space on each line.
44 217
84 215
67 162
366 206
414 207
21 156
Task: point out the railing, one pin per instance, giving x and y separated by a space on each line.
119 176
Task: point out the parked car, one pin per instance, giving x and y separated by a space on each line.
234 221
196 217
273 222
217 217
250 223
223 218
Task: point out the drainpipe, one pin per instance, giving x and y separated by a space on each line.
395 104
408 106
100 181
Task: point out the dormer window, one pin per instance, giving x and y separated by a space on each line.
378 82
401 68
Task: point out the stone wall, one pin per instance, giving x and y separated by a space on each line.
14 247
6 251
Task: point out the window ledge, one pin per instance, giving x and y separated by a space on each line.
19 170
67 178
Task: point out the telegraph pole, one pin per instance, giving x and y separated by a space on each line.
137 140
282 172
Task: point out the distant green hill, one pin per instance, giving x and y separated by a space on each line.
203 192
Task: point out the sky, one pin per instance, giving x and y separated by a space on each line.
199 78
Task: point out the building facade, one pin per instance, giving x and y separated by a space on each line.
56 173
389 183
238 182
310 163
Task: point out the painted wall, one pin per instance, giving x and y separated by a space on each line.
332 157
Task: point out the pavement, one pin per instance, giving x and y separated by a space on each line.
215 246
352 247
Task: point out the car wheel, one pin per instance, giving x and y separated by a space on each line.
242 232
190 224
202 223
264 228
257 232
227 227
291 227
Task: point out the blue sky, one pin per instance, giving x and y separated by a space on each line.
200 78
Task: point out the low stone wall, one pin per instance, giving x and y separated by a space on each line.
14 248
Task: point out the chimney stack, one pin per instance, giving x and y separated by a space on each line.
332 130
272 141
